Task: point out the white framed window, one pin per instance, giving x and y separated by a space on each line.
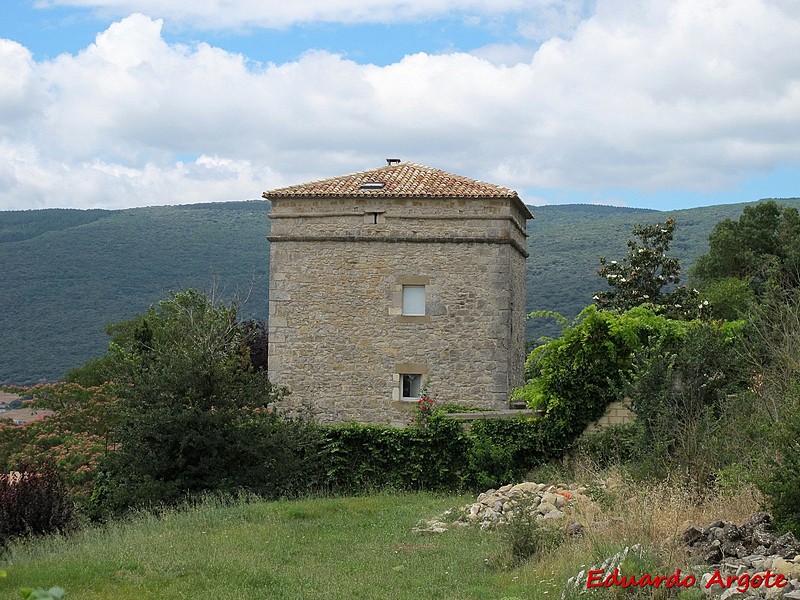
414 300
411 385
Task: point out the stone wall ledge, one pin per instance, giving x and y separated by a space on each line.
509 413
394 239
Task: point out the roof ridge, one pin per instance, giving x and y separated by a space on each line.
405 179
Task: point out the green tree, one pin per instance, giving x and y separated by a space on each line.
761 248
190 399
647 275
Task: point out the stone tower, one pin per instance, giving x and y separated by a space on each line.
388 281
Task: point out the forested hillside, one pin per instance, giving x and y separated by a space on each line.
66 274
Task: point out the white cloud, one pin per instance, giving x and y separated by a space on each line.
689 94
21 93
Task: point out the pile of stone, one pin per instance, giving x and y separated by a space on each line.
750 549
494 507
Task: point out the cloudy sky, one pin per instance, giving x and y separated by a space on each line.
659 104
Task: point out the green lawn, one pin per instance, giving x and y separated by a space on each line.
325 548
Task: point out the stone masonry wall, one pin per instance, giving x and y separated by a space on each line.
617 413
337 335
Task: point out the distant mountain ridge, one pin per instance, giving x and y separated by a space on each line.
65 274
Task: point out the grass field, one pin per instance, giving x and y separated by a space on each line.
360 547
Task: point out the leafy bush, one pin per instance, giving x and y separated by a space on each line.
574 378
615 444
504 450
54 593
524 535
33 501
358 457
781 485
684 396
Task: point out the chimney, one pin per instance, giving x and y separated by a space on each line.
392 161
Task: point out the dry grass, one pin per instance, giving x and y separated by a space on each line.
622 513
657 513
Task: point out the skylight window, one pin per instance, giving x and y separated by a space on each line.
372 185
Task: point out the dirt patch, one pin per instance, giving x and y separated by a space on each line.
19 416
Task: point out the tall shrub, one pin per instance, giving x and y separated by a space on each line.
189 397
684 395
781 484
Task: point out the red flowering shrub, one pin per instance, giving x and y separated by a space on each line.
423 410
73 438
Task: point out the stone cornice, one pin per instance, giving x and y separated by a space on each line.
394 239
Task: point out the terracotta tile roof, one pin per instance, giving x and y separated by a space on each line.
403 179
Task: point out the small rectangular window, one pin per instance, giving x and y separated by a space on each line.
412 386
414 300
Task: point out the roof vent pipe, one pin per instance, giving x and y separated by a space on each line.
392 161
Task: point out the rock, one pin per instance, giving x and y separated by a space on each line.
712 555
554 514
716 533
545 507
714 591
575 529
763 538
493 507
750 549
789 568
561 501
693 534
759 518
734 549
732 532
786 545
526 488
550 498
716 524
